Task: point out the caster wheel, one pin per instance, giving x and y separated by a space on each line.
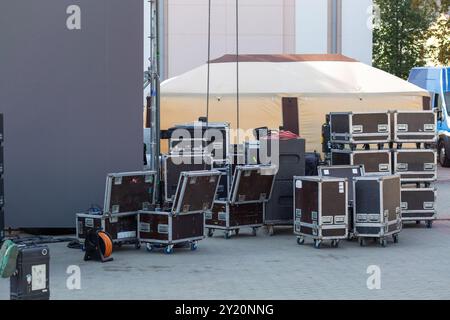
270 230
236 232
395 238
300 240
168 249
194 246
335 243
227 234
383 242
429 224
210 232
317 244
149 247
137 246
254 230
362 242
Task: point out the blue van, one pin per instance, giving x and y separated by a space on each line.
436 80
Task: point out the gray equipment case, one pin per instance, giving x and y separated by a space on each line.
184 221
377 211
375 162
415 165
320 209
419 204
360 127
414 126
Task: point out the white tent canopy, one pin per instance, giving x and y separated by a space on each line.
322 83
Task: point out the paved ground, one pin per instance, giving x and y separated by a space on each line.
264 267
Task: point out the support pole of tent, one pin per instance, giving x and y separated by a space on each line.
152 79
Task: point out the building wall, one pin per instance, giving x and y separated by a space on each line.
266 26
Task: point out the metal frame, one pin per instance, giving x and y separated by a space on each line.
432 134
432 211
182 185
109 181
236 180
164 159
382 224
351 135
418 179
352 153
320 225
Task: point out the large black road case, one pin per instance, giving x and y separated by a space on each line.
126 193
375 162
415 165
184 221
419 204
32 278
173 165
360 127
250 189
348 172
377 212
414 127
320 209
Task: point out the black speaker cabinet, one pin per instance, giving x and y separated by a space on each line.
360 127
377 212
320 209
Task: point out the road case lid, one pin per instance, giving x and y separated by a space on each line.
196 192
252 184
341 171
129 191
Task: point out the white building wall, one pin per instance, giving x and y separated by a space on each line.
311 26
356 30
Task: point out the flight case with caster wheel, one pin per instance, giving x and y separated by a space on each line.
360 127
183 222
349 172
125 194
377 212
418 204
251 188
320 209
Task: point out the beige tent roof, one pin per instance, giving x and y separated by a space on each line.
320 83
289 75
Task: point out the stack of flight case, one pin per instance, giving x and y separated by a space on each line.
2 187
291 163
416 164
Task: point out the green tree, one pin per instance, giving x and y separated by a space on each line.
438 44
400 38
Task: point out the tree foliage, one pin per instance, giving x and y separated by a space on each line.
400 38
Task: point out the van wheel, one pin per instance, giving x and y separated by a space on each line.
443 155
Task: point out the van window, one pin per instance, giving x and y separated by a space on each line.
447 102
